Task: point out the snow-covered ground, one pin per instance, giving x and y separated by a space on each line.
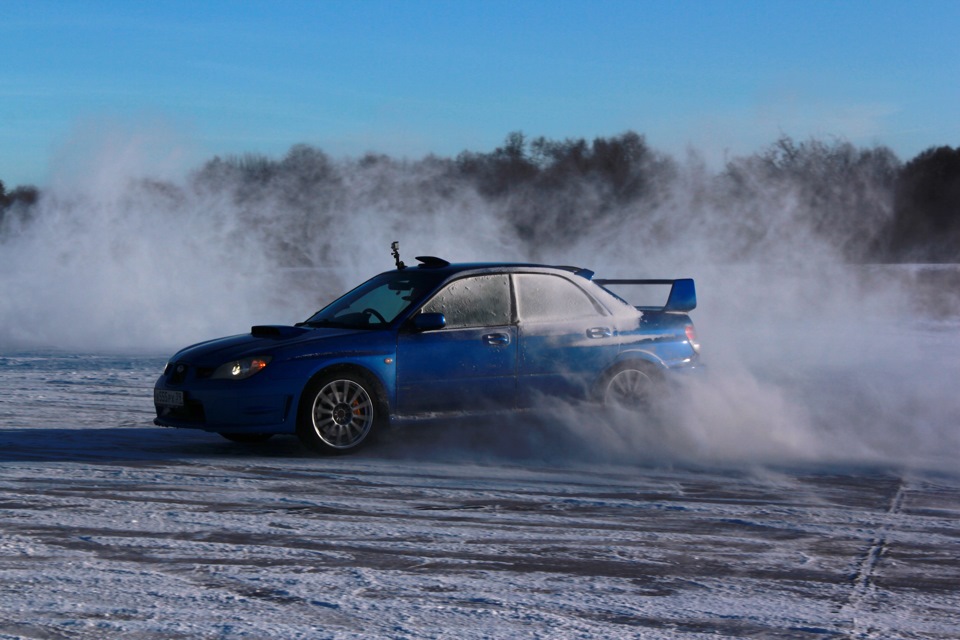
111 527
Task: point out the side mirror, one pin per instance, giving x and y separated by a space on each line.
429 322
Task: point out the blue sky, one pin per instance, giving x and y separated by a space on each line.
198 79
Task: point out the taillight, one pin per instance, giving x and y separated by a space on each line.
692 337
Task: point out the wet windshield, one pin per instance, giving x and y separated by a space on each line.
377 302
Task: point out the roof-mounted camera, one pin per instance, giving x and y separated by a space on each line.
395 248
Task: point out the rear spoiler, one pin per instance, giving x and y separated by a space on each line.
683 294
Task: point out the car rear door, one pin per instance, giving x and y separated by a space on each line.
471 363
567 339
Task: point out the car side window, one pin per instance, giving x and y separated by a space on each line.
543 297
478 301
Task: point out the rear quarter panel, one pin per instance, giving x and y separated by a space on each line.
659 338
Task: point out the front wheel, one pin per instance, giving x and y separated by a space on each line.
630 386
339 412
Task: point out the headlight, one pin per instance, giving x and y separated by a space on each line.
241 369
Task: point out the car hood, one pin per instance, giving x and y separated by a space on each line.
277 340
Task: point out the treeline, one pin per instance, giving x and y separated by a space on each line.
926 224
863 201
864 204
16 204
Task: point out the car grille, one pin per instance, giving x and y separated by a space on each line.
178 372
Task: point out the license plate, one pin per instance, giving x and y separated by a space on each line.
167 398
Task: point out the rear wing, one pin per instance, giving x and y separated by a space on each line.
683 293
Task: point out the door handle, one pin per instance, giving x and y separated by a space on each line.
496 339
599 332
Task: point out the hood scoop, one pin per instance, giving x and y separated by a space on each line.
276 331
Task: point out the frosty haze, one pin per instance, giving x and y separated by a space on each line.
805 487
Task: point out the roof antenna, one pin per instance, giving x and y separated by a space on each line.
395 247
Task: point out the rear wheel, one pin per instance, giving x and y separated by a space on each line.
630 386
339 412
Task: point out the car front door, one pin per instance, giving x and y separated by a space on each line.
470 363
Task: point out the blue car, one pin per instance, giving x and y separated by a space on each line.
429 339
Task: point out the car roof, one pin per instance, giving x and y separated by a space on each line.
429 263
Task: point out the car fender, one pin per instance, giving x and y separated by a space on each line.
642 355
383 387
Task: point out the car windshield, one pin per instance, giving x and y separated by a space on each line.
377 302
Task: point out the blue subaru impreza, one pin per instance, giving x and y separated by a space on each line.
428 339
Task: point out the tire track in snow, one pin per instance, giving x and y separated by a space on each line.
863 578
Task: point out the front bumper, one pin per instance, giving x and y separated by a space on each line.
228 410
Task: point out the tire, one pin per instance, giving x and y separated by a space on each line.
630 386
340 412
247 438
